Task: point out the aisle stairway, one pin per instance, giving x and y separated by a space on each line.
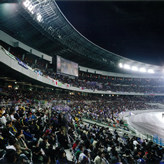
68 154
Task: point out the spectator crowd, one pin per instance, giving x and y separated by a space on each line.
31 133
90 81
44 135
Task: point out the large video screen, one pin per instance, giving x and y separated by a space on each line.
67 67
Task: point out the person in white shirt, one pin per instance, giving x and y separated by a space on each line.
94 143
16 108
12 112
3 119
135 143
109 149
12 117
99 158
11 147
84 156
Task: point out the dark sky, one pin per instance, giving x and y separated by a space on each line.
131 29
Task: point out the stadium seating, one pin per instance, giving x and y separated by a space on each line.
33 135
38 126
92 81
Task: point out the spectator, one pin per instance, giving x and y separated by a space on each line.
83 156
16 115
37 153
28 135
18 124
4 119
63 158
21 146
99 158
75 144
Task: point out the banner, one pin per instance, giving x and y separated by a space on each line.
81 88
60 84
8 53
22 64
67 85
55 82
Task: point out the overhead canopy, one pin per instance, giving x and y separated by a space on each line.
41 25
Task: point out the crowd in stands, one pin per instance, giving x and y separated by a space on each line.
27 58
22 95
90 81
99 145
110 85
108 112
9 95
42 136
30 134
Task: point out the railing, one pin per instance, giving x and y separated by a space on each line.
157 140
106 161
77 135
106 125
70 145
57 143
133 132
9 104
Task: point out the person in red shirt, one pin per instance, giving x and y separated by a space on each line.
75 144
49 130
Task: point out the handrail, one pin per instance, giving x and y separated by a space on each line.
76 130
102 124
69 142
57 143
137 134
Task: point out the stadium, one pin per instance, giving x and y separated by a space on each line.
65 98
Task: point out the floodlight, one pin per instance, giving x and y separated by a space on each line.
134 68
142 70
150 71
120 64
26 3
126 66
30 8
39 17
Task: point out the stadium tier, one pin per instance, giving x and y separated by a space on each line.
87 82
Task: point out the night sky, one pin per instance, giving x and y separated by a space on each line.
131 29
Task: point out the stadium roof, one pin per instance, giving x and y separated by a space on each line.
41 25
